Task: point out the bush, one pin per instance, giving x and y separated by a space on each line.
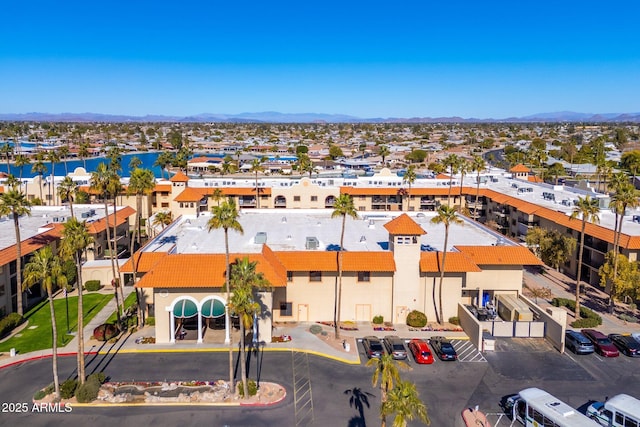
416 319
9 322
251 385
150 321
455 320
100 377
378 320
92 285
40 394
105 332
88 391
315 329
68 388
585 313
628 318
585 322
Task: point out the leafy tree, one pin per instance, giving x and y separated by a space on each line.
555 170
44 268
622 279
404 401
446 216
15 203
225 216
335 151
587 210
416 156
342 207
553 247
301 149
387 372
630 161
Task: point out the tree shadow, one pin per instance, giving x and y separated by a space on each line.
358 399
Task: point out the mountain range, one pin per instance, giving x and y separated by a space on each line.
276 117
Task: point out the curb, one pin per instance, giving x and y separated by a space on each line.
44 356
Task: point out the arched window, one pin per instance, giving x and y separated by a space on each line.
280 202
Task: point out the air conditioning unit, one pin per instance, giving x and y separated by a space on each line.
312 243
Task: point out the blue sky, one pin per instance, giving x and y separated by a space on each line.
484 59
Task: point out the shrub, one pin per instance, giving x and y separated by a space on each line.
251 385
92 285
416 319
9 322
40 394
315 329
150 321
455 320
105 332
628 318
585 322
88 391
68 388
100 377
589 318
378 320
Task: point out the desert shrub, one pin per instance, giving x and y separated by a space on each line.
251 385
378 320
324 333
315 329
100 377
40 394
416 319
628 318
88 391
589 318
9 322
68 388
455 320
92 285
585 322
132 321
105 332
150 321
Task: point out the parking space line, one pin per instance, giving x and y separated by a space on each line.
467 351
499 417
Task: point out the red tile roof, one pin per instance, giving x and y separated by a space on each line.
499 255
403 224
520 168
456 262
121 216
194 194
179 177
381 261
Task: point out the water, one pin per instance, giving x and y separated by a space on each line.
148 159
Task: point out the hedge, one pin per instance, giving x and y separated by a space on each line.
416 319
92 285
9 322
378 320
589 318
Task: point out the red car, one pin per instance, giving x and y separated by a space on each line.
420 351
601 342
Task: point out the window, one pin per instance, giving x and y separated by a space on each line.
315 276
289 276
2 291
363 197
181 205
296 198
314 198
364 276
286 309
165 204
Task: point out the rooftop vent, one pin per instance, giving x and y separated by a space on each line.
312 243
284 220
260 238
363 238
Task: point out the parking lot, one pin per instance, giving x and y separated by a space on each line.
465 350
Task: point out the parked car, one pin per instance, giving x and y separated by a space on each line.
395 347
626 344
372 347
443 348
578 343
636 336
601 342
420 351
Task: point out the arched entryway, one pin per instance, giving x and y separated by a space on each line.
280 202
212 312
184 317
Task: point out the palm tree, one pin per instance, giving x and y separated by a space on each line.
83 153
7 150
403 401
217 196
64 151
163 160
162 219
100 180
383 152
21 162
463 167
343 206
67 191
134 163
477 164
226 216
387 371
587 209
114 188
625 196
44 268
75 241
447 216
452 162
15 203
39 168
256 167
141 183
244 279
52 157
409 177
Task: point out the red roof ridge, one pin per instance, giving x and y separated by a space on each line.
403 224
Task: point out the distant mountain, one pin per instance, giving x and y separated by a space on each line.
276 117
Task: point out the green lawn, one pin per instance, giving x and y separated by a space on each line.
128 302
39 338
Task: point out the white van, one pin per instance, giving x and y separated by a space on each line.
619 411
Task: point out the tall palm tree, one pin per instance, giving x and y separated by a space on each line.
383 152
163 160
447 216
141 183
162 219
625 196
100 181
463 167
342 207
75 241
53 157
409 177
83 153
387 371
478 165
403 401
226 216
67 191
451 161
64 152
44 268
7 151
21 162
587 209
39 168
15 203
114 189
244 279
256 167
